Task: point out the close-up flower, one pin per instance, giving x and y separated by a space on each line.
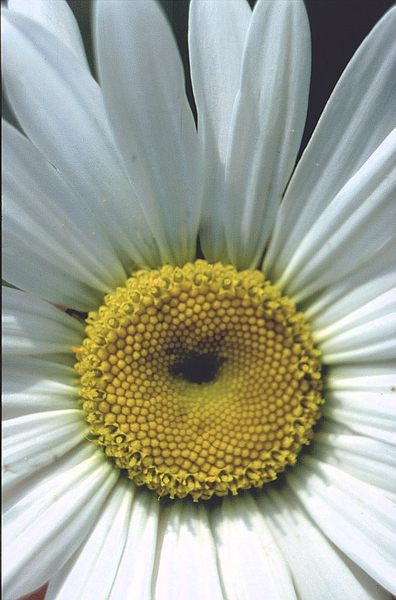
199 333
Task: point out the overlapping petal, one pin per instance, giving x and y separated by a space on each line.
249 560
314 561
187 555
91 571
34 441
217 35
32 385
151 119
353 226
267 124
352 126
60 107
47 526
34 327
352 514
58 18
53 244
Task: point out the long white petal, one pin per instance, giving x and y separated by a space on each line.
143 526
46 527
216 34
250 562
53 245
315 563
380 306
34 441
143 86
32 326
371 413
91 571
354 516
355 225
357 118
32 385
187 559
370 460
376 276
374 340
267 125
60 107
58 18
378 377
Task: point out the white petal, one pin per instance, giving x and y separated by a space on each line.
380 306
249 559
378 377
91 571
374 340
60 107
32 385
32 326
314 562
57 17
143 86
52 244
187 559
217 32
353 227
370 460
367 413
371 279
135 572
34 441
43 530
353 515
15 490
267 125
357 118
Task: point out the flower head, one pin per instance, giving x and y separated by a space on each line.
212 423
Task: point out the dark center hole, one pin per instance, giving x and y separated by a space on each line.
198 368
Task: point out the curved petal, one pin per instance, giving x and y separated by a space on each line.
250 563
58 18
370 460
376 276
314 562
49 90
143 87
355 225
267 125
380 306
32 326
352 514
34 441
90 573
52 244
46 527
216 35
374 340
143 525
187 559
357 118
32 385
365 412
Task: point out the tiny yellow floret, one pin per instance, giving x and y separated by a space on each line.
199 380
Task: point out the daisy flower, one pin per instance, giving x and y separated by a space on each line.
199 386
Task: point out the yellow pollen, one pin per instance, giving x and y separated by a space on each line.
199 380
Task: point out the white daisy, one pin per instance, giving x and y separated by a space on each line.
196 377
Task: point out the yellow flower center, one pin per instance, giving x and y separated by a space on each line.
199 380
